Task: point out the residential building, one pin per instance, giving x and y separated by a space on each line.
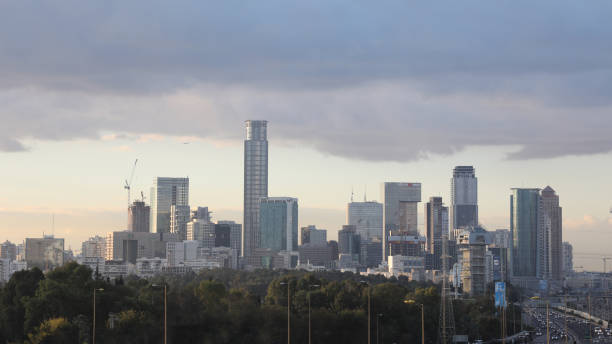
568 258
255 182
44 253
436 221
94 247
138 217
179 216
278 223
464 198
552 213
367 217
129 246
8 250
400 211
165 193
473 247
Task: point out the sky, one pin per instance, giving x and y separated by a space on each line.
356 93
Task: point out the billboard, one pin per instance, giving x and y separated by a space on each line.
500 294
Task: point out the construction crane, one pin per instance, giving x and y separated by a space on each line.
128 184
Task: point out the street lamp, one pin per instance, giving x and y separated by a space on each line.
288 311
378 316
369 310
165 309
93 340
412 302
309 322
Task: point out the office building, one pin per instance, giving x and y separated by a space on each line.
464 198
436 221
349 242
8 250
370 253
179 216
501 238
317 255
94 247
255 182
399 211
312 235
165 193
202 231
568 259
128 246
44 253
367 217
552 213
525 229
278 224
235 230
138 217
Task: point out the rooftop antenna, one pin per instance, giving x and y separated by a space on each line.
352 194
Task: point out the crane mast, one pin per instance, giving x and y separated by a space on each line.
128 183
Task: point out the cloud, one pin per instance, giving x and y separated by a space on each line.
364 80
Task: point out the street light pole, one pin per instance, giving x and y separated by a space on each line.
309 315
93 340
369 312
411 302
165 310
288 311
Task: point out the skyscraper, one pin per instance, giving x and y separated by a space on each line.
436 218
568 258
279 223
367 217
255 182
179 216
400 210
165 193
553 221
464 198
138 217
525 227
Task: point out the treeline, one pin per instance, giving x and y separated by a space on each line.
228 306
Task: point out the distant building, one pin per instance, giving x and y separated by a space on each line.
367 217
400 211
165 193
94 247
179 216
202 231
568 258
129 246
235 230
501 238
436 221
318 255
314 236
370 253
464 198
407 245
255 182
349 242
525 227
44 253
138 217
8 250
278 223
414 267
552 213
473 247
180 251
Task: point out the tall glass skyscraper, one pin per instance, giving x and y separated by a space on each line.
367 217
525 227
553 235
165 193
464 198
400 211
278 224
436 221
255 182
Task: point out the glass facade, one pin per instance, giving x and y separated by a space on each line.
524 227
165 193
367 217
400 210
255 182
279 224
464 198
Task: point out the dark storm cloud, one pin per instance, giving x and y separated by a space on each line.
389 80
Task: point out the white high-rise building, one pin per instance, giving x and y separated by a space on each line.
464 198
400 210
165 193
367 217
94 247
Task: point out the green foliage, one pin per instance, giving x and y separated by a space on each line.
227 306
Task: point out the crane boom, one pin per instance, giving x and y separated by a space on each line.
128 184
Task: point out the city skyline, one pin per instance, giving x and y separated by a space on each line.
350 105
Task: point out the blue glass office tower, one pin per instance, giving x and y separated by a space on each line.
525 227
278 223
